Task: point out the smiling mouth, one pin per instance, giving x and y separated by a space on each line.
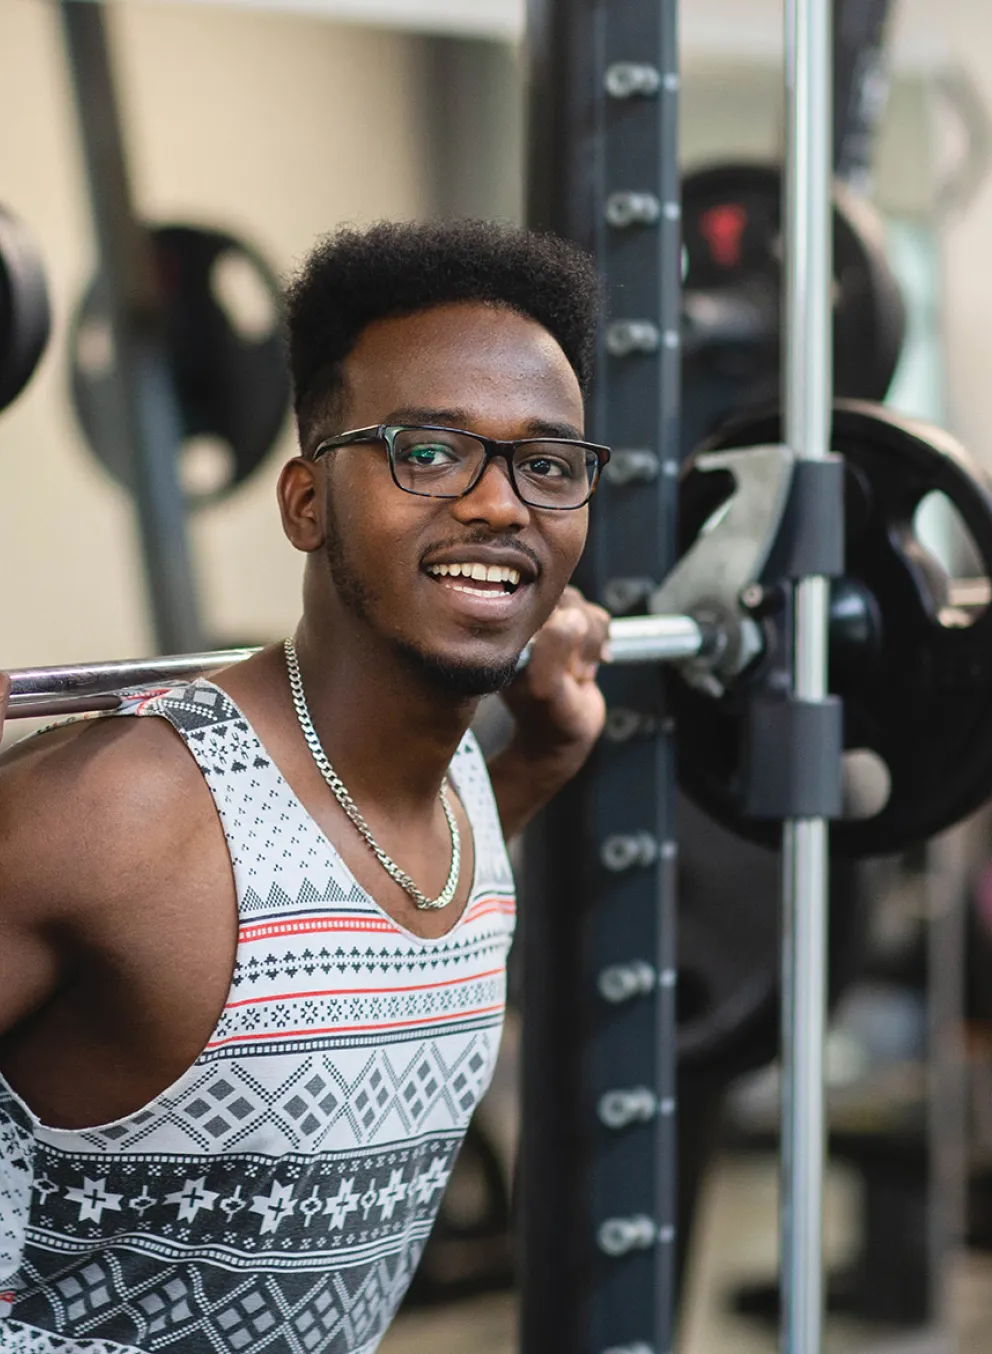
476 579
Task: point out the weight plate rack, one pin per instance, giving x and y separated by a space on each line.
597 1254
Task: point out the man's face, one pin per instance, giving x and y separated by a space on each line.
489 371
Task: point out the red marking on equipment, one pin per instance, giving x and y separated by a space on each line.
722 227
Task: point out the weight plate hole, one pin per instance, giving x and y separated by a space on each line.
945 536
242 293
692 996
867 783
206 467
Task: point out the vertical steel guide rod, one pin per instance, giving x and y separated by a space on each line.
807 396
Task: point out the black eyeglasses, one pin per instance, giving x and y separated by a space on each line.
546 472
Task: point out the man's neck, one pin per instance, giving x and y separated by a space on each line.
389 730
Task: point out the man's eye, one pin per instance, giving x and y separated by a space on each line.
427 454
547 467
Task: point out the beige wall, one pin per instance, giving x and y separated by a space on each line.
959 35
274 126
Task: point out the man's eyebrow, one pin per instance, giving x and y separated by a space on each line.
539 427
460 418
447 418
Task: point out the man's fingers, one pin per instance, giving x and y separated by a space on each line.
593 636
598 634
570 642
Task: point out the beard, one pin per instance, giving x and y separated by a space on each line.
458 680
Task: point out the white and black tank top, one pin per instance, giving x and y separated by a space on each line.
278 1195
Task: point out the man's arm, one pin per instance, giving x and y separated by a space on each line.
558 710
85 810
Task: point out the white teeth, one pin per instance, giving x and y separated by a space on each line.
492 573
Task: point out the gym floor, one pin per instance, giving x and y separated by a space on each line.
737 1243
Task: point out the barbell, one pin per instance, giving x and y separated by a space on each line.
90 687
911 647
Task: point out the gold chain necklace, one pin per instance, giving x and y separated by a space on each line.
341 794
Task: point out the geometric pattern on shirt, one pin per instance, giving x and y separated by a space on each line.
296 1168
17 1152
121 1298
324 959
372 1096
423 1008
17 1337
291 1212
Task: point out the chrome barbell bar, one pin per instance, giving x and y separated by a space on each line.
84 687
88 687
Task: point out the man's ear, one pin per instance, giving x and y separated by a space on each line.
301 504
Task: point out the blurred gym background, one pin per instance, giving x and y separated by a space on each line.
275 122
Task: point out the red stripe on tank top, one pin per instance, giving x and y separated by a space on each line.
366 991
377 925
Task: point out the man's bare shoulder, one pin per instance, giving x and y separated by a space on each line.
93 802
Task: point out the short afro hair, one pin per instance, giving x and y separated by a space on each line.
357 276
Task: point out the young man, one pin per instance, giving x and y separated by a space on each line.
250 996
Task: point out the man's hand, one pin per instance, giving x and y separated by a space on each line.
558 709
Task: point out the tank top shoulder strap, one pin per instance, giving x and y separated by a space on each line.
471 779
280 857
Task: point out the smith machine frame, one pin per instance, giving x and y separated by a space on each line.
598 1168
597 1258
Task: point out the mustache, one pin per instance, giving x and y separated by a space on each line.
500 542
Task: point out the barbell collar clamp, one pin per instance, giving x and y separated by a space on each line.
632 79
728 555
619 1236
622 982
620 1108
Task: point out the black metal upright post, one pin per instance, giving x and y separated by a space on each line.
598 1153
861 86
145 407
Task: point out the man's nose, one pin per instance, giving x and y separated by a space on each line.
493 500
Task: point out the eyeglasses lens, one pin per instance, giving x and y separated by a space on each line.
444 463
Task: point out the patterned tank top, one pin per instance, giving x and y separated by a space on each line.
278 1195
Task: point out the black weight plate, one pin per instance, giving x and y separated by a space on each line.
731 224
228 363
921 697
25 314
